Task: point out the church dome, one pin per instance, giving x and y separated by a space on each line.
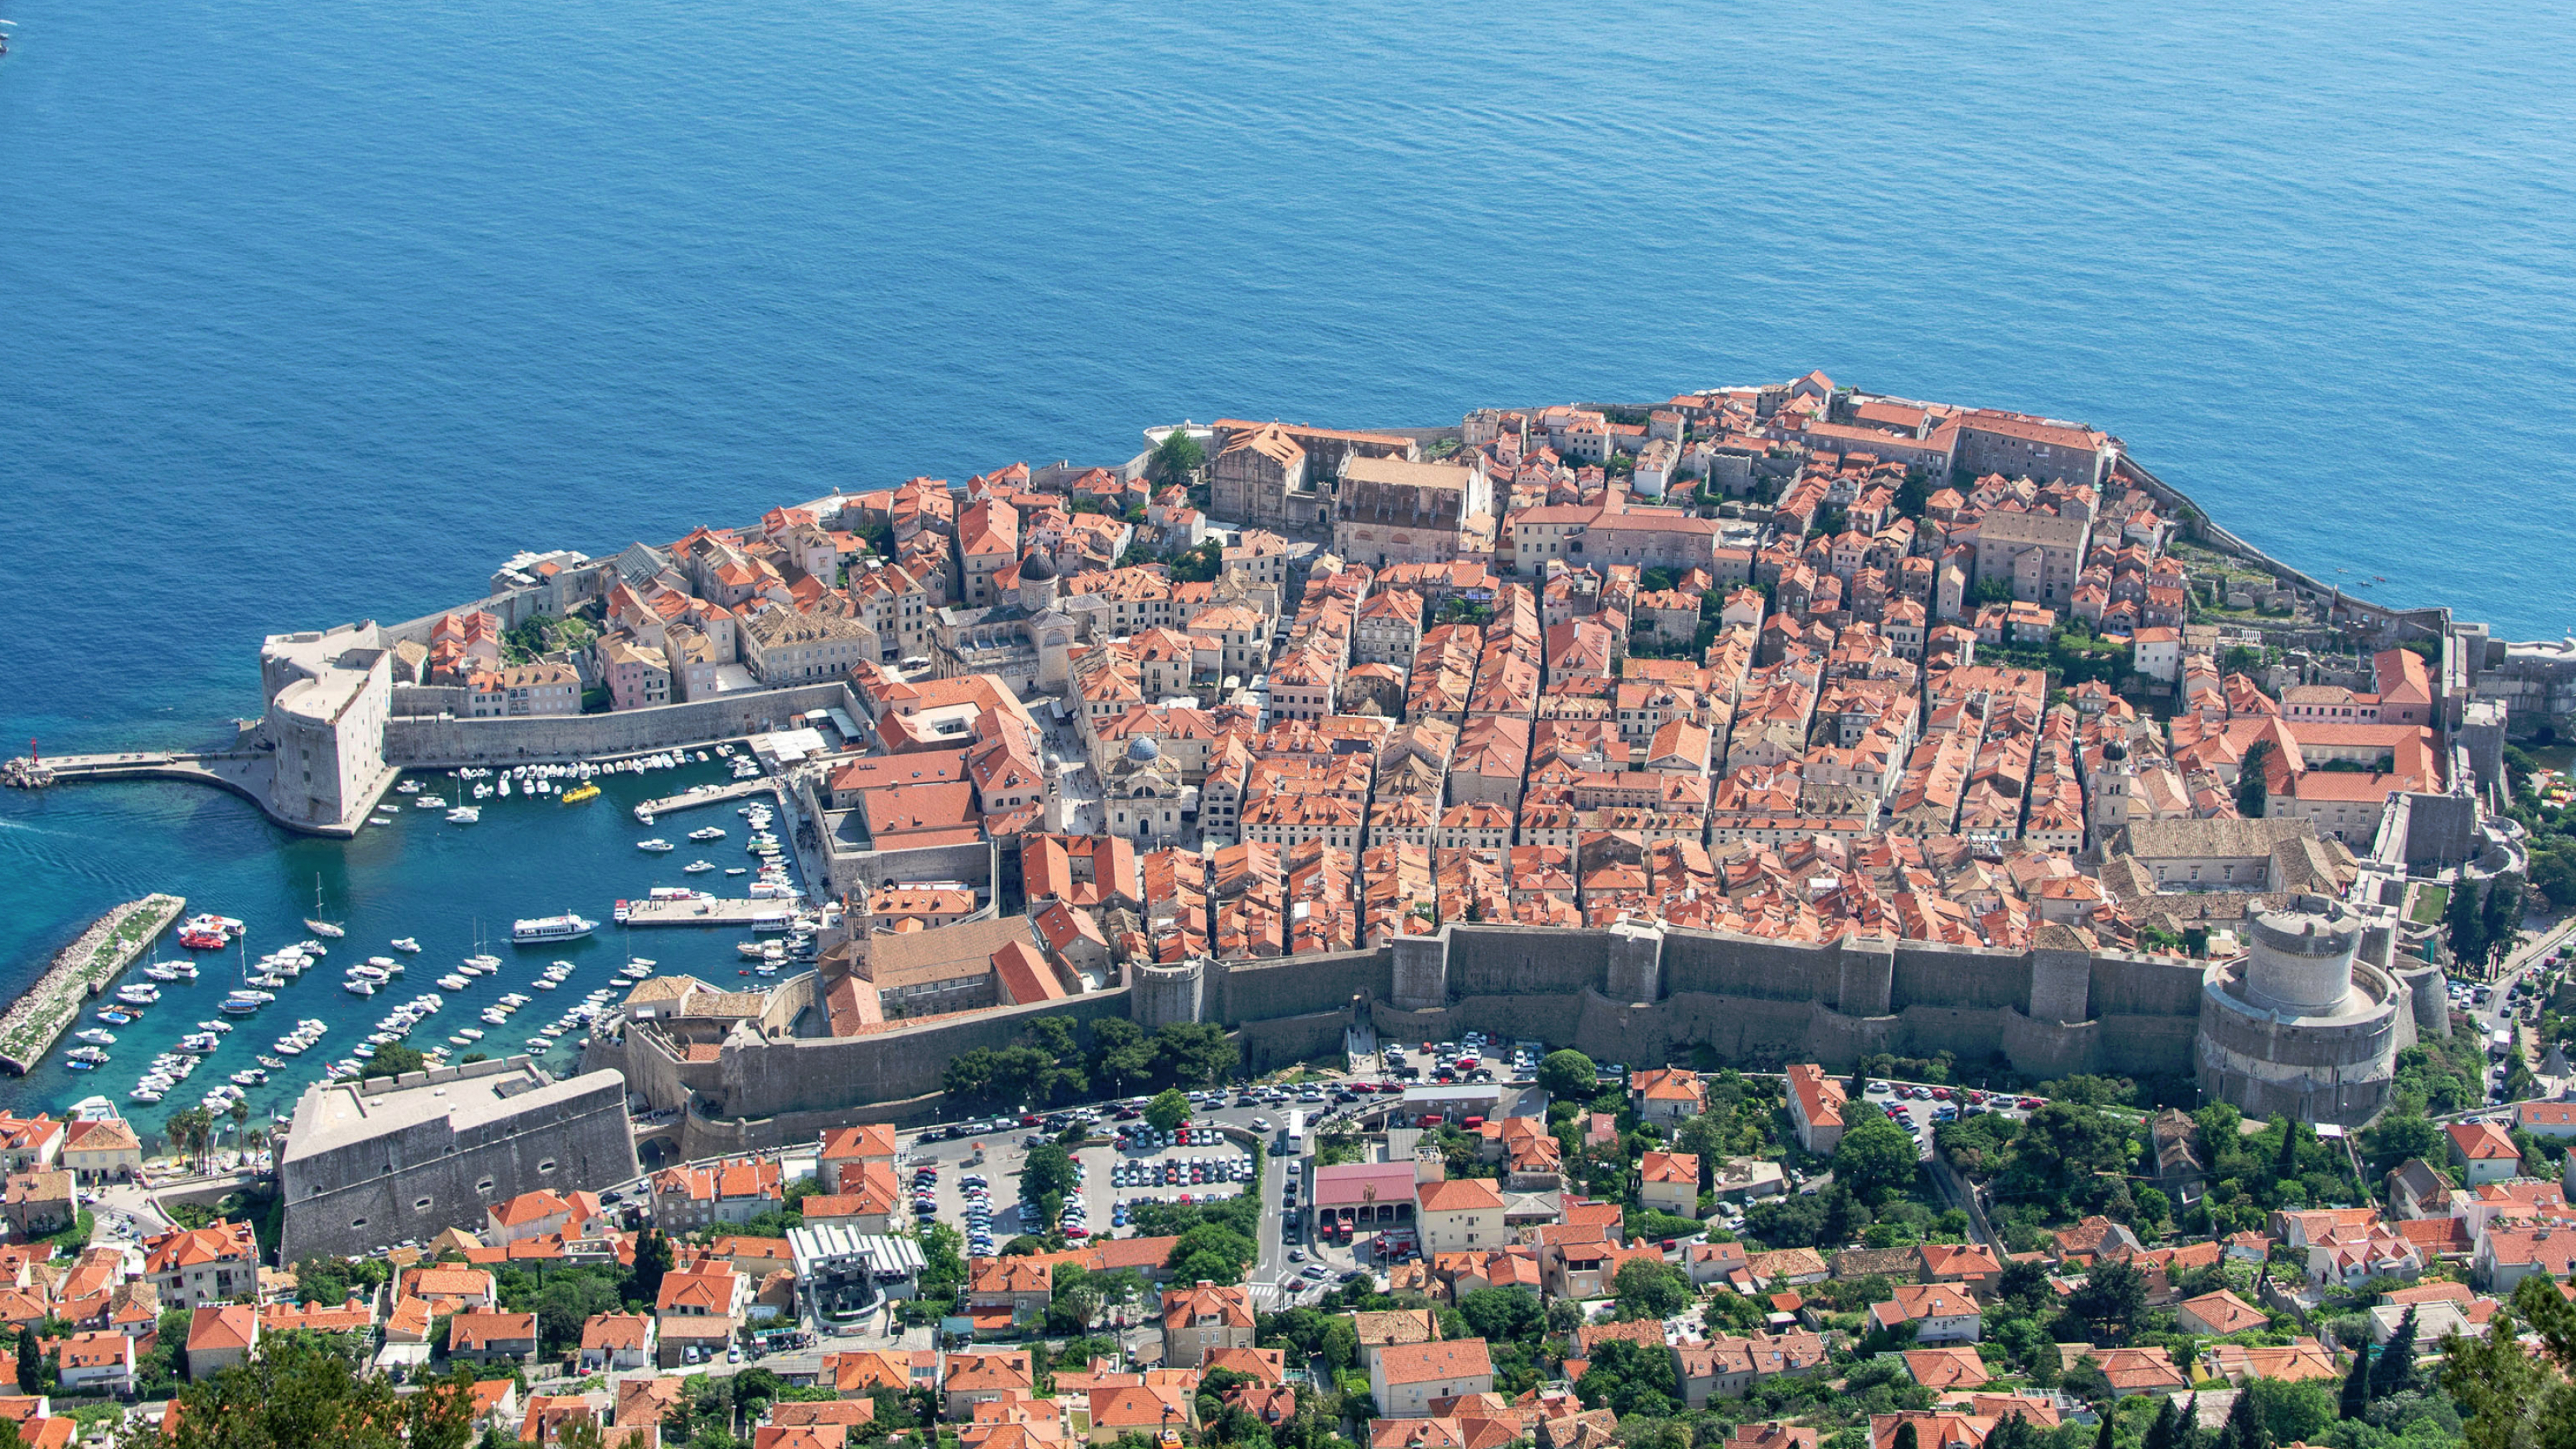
1035 568
1143 750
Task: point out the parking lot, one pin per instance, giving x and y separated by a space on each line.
974 1184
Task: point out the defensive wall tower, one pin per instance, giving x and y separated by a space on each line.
2302 1023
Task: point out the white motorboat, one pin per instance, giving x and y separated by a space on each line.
656 845
707 832
697 867
464 815
406 943
359 988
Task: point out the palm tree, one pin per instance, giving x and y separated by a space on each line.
240 1114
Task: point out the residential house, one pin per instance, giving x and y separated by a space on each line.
488 1337
1815 1108
1204 1318
219 1337
1405 1378
101 1362
1940 1313
615 1342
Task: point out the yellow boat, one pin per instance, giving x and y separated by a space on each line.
581 792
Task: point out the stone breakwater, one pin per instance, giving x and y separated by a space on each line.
81 971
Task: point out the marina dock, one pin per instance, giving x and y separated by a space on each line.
765 785
733 913
80 972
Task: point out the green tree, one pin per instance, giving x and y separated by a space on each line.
1875 1154
1213 1252
2355 1401
1650 1288
2464 926
1168 1110
2161 1433
297 1389
1047 1172
31 1362
2060 1154
2394 1373
653 1258
1178 458
2113 1295
1906 1438
2252 787
1194 1053
2500 919
2511 1397
394 1059
2398 1136
1121 1058
2291 1413
1568 1076
1504 1315
2244 1428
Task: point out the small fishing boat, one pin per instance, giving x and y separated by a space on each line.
581 792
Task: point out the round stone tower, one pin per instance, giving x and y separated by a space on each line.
1167 994
2299 1023
2299 962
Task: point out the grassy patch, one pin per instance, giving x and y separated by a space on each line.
2430 902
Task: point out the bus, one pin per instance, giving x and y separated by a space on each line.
1292 1138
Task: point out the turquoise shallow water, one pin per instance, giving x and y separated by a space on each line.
314 313
419 877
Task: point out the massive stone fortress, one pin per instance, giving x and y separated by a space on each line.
392 1161
2302 1025
1641 994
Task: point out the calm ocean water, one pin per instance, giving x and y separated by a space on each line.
313 313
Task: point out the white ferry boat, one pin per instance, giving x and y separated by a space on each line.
541 929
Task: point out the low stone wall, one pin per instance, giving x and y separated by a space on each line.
415 742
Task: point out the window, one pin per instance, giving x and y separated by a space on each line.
546 1166
420 1204
484 1186
357 1222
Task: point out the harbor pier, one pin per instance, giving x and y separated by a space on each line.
81 970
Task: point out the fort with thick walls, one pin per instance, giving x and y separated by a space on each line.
1635 994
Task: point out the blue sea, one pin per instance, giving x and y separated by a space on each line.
311 313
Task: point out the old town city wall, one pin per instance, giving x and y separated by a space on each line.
1628 994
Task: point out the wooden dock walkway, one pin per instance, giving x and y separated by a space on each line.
80 972
721 912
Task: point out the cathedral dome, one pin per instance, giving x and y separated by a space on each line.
1143 750
1035 568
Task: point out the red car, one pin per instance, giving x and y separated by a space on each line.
1942 1094
2030 1104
